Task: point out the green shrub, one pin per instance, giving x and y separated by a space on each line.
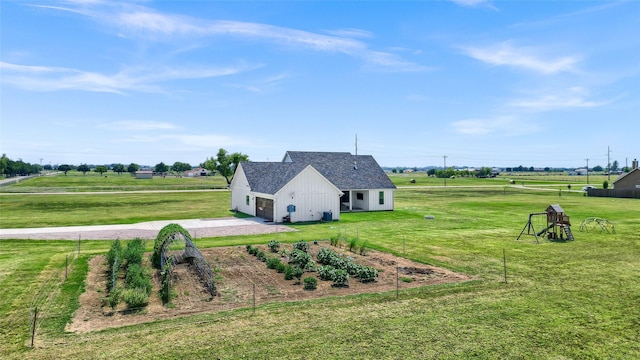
351 267
340 278
272 263
280 267
300 259
274 246
135 298
261 256
248 247
134 251
138 277
364 248
326 272
297 272
367 274
324 256
254 251
353 244
114 298
335 240
115 252
301 245
289 272
310 283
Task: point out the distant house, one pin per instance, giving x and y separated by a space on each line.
625 186
630 180
144 174
197 172
310 186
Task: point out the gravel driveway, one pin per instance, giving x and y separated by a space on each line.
198 228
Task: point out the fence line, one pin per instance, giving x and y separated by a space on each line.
44 298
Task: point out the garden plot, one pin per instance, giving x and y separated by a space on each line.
240 278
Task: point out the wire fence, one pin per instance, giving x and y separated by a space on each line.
76 189
42 308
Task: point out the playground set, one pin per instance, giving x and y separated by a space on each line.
554 222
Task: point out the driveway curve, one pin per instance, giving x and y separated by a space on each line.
148 230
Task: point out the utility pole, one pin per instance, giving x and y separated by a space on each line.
444 171
356 144
609 164
587 171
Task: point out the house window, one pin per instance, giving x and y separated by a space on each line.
247 200
360 196
381 198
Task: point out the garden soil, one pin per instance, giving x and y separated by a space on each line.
241 278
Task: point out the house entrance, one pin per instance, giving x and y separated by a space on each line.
264 208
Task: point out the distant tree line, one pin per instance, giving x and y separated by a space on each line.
11 168
224 163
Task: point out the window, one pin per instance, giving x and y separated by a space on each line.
381 198
360 196
247 200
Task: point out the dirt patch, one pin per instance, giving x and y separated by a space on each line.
238 276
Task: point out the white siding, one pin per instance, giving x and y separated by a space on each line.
239 191
374 196
311 193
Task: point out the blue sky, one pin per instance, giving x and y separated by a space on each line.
486 83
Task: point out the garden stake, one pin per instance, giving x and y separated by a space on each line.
33 327
397 281
504 259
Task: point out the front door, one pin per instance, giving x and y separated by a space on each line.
264 208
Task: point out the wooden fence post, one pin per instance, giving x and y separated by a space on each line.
33 325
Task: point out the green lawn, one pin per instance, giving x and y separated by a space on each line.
40 210
563 300
77 182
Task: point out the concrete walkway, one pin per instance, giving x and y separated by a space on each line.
148 230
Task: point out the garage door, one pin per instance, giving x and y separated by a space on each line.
264 208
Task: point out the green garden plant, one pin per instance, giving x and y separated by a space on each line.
135 298
310 283
340 278
274 246
301 245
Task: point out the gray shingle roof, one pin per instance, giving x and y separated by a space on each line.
269 177
344 170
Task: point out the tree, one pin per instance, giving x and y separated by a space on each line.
4 163
119 168
615 165
84 168
210 164
180 166
64 168
597 168
227 163
48 167
132 168
101 169
161 168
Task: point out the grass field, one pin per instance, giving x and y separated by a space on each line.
562 300
77 182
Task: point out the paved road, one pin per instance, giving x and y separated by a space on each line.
148 230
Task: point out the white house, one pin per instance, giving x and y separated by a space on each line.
310 186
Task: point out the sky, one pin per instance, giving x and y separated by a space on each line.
417 83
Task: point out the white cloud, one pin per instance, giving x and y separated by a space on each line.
43 78
504 54
500 126
206 141
574 97
138 125
131 20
